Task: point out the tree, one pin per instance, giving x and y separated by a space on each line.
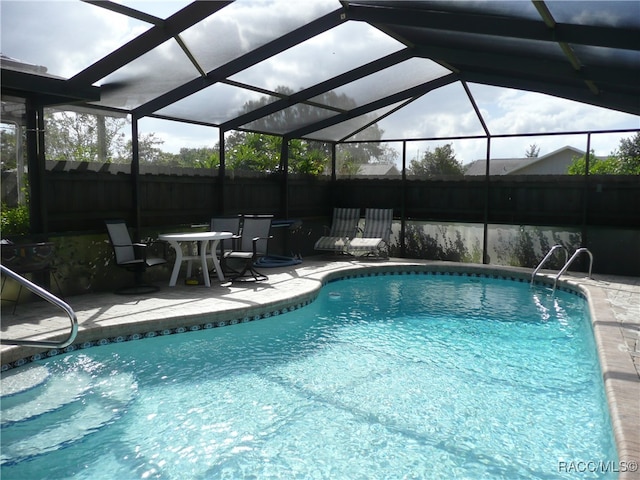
260 152
347 165
300 114
307 157
85 137
628 155
371 151
149 151
442 161
8 146
532 151
252 151
202 157
623 161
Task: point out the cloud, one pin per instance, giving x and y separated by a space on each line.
330 53
63 36
177 135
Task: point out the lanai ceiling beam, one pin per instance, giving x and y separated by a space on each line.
320 88
243 62
496 26
155 36
372 106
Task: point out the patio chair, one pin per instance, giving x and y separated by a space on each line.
376 236
225 224
131 256
251 246
344 227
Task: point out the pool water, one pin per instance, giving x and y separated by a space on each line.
384 377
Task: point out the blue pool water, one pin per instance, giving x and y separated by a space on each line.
407 377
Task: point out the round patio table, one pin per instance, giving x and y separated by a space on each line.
203 238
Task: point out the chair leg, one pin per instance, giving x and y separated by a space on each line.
139 287
248 270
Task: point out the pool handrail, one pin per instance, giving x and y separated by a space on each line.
547 256
49 297
573 257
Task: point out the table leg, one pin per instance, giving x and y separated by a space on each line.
216 262
176 266
203 259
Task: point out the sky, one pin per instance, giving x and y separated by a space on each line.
67 36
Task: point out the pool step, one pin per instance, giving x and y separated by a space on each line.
60 412
20 380
49 397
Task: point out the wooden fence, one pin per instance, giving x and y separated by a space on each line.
79 200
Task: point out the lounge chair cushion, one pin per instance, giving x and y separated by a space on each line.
344 227
366 243
331 243
376 236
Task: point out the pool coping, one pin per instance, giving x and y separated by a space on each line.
619 372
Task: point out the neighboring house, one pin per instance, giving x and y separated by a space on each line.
378 169
554 163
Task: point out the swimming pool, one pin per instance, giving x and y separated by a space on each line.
418 376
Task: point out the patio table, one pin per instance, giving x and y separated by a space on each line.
203 238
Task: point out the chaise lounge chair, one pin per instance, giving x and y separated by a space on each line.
131 256
376 236
343 228
251 245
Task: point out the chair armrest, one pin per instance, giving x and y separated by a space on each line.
255 243
140 250
234 242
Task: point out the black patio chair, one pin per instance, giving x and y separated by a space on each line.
251 246
131 256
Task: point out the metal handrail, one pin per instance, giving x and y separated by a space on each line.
573 257
49 297
546 257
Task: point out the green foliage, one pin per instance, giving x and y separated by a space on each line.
624 161
597 166
442 161
8 146
253 151
307 157
347 165
203 157
14 221
628 155
150 153
261 153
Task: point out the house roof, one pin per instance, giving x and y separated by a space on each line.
378 169
224 65
506 166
